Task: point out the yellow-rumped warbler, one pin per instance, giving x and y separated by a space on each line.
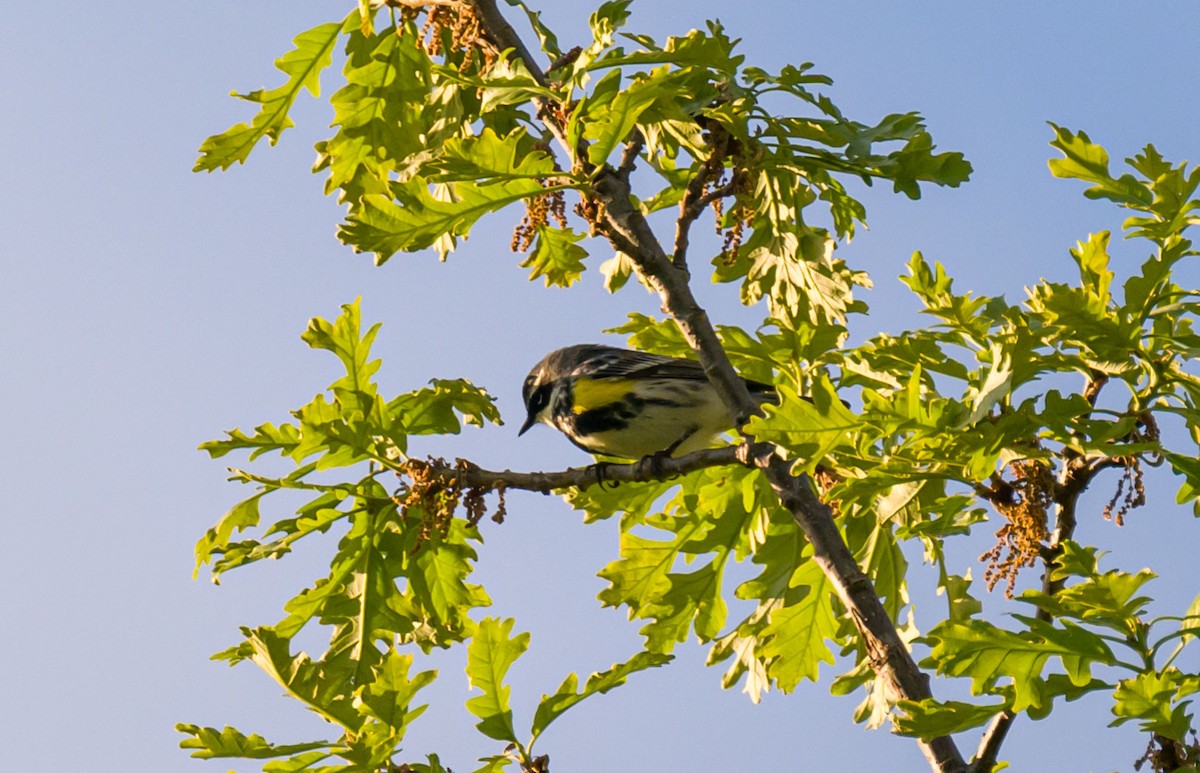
627 404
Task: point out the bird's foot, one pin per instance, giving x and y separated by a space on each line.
599 469
654 465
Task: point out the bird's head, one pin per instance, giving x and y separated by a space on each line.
536 393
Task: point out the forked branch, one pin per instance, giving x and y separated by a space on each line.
694 202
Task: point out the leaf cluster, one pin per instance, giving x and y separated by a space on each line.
400 572
430 137
399 578
1094 622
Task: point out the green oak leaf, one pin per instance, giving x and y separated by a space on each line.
1084 160
985 653
240 517
317 684
388 695
807 429
551 707
610 126
210 743
1151 700
556 256
796 634
545 35
411 217
929 718
490 654
303 66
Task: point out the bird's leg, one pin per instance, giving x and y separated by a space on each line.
598 470
655 462
669 451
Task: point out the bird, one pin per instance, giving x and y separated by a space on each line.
628 404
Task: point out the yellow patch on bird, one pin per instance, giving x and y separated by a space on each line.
593 393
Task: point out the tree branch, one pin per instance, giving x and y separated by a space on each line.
417 4
1077 472
989 744
629 231
469 476
629 155
693 204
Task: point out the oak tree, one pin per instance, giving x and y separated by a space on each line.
995 417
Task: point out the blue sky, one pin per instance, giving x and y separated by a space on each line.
146 309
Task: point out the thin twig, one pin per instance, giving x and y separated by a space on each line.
564 60
989 744
629 156
1077 472
688 212
691 207
417 4
720 192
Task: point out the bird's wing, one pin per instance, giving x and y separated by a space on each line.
617 363
608 362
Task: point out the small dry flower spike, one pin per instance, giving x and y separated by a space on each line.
450 28
733 235
1019 541
1130 491
437 496
591 210
539 210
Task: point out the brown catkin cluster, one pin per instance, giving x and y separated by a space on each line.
733 236
453 28
731 228
1130 491
1019 541
826 479
718 208
591 210
437 501
427 495
539 210
740 214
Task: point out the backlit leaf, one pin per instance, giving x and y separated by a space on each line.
303 66
489 655
551 707
929 719
210 743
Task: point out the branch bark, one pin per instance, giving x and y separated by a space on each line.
466 475
629 155
689 211
628 230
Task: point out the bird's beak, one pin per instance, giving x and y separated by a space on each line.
529 422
